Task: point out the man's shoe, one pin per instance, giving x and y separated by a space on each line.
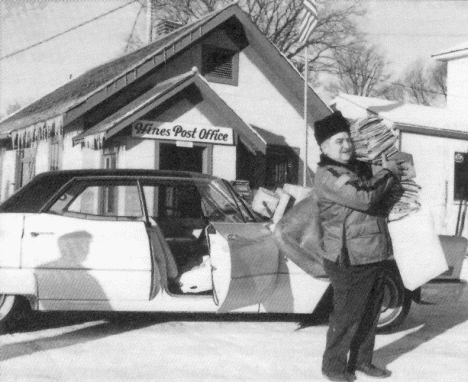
373 371
339 377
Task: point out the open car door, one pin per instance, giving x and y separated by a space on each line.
245 262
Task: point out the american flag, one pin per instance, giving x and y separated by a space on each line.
309 20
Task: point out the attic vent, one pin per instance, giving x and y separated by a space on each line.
220 65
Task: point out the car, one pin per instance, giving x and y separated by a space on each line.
152 241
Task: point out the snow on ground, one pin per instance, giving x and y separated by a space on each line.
432 345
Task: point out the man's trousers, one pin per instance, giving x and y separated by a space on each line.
357 300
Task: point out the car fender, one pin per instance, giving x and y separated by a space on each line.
18 281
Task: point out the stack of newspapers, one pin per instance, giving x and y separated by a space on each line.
372 138
403 199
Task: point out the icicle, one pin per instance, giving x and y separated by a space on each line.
95 141
24 137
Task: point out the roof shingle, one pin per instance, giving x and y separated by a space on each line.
78 90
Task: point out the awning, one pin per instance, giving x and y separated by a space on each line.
98 134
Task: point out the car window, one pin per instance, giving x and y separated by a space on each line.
219 204
192 199
173 200
34 195
104 199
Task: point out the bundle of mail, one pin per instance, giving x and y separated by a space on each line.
372 137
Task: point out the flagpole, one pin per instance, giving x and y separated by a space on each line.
306 78
308 23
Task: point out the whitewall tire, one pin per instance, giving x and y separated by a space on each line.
8 304
396 303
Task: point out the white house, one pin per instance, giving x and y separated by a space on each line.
214 96
438 140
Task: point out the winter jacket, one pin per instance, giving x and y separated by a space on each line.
354 222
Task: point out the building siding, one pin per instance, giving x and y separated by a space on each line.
223 164
42 157
139 153
8 173
434 164
457 83
271 105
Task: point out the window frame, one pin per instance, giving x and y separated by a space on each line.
55 153
464 159
285 156
25 156
88 182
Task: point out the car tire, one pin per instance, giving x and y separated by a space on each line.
9 306
396 301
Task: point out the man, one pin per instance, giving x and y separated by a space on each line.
355 242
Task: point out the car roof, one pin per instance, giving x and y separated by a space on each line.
34 195
122 172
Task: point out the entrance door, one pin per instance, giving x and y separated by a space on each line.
177 158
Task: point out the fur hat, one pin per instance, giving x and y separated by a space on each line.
329 126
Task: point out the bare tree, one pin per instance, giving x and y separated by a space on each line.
184 11
437 73
279 20
415 84
13 107
10 109
392 92
361 70
425 85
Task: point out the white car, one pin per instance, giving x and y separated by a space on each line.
153 241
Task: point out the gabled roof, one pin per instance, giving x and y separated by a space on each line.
79 95
95 136
81 88
420 119
457 51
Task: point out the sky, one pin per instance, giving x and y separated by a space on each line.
408 30
405 31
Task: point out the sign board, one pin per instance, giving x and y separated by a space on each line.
183 132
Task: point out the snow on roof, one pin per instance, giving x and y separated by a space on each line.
453 52
407 114
77 90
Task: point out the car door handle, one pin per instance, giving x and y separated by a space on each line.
35 234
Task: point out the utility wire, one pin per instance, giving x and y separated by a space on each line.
379 79
411 87
66 31
416 34
133 28
402 85
422 89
